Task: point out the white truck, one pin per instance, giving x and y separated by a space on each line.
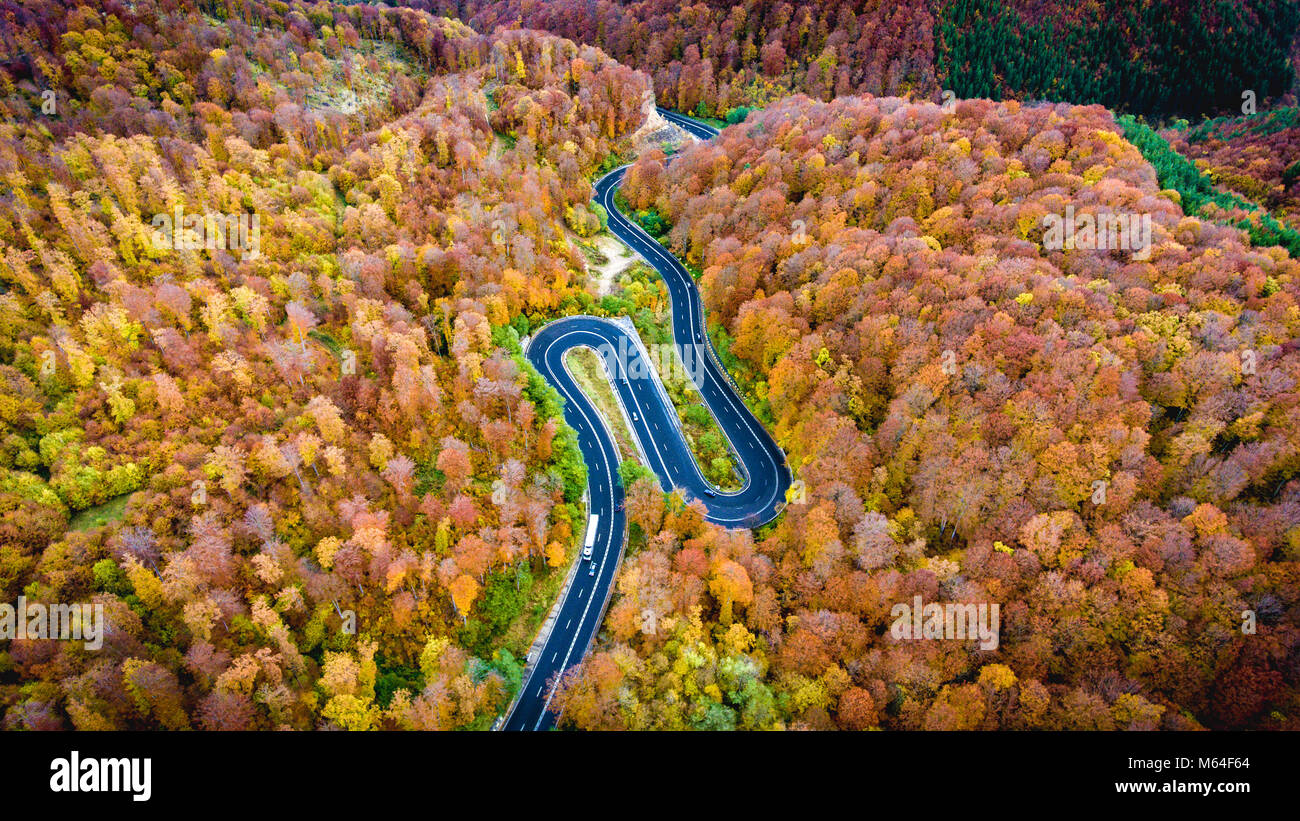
591 536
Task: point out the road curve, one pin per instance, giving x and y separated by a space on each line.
653 422
695 128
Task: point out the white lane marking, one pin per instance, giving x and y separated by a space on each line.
609 541
545 353
604 457
646 441
673 264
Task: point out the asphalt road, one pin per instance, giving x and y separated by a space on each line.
653 421
693 127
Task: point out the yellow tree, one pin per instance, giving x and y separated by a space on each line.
464 590
730 585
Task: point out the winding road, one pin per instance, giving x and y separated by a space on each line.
653 421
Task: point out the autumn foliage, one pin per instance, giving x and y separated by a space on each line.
314 483
1107 447
345 481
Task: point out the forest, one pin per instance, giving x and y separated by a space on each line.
335 430
306 470
711 57
1171 382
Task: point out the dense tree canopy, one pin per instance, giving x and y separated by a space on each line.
265 269
1105 446
328 425
712 57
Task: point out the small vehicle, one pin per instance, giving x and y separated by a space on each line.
710 492
699 337
634 419
591 571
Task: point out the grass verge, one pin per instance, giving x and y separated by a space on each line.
585 366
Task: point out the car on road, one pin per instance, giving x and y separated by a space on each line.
591 571
710 492
699 337
634 419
